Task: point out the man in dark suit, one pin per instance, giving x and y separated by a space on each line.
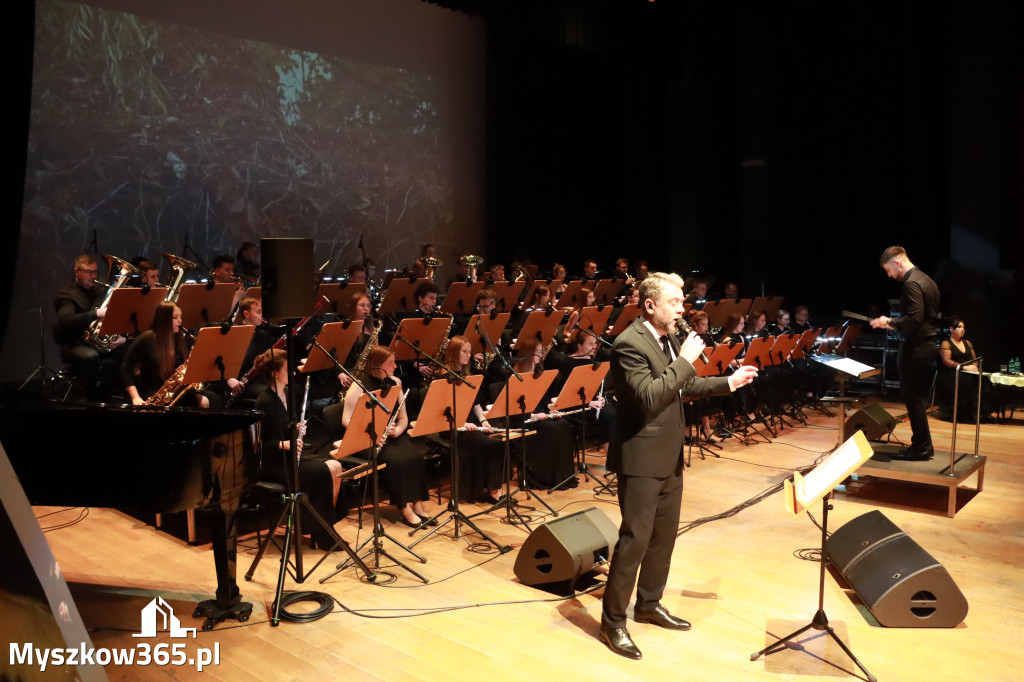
651 373
919 312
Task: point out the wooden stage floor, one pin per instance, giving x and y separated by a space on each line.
737 579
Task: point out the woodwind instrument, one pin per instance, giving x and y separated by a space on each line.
174 389
360 365
394 416
301 431
279 344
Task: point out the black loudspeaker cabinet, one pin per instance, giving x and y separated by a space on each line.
901 584
566 547
287 277
873 420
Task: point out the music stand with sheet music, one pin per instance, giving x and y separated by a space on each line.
843 368
594 318
203 304
131 311
606 290
720 359
804 491
581 386
769 305
361 434
525 394
461 298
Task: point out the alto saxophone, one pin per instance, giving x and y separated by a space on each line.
363 355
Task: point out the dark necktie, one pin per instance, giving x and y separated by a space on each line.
666 347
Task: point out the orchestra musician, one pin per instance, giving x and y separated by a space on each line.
801 320
250 312
77 306
153 357
405 473
781 324
224 273
481 458
651 372
318 477
587 297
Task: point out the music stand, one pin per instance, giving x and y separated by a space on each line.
843 367
568 298
205 303
542 325
526 393
420 335
218 354
759 355
625 318
400 295
333 344
769 305
804 491
461 298
445 409
508 295
717 362
492 324
339 294
362 434
594 318
607 289
582 385
131 311
537 283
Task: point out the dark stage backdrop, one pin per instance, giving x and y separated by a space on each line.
156 125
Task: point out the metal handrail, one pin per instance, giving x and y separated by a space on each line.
977 416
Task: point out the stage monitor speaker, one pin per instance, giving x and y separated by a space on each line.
901 584
566 547
287 277
873 420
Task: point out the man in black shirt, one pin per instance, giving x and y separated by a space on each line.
919 310
77 306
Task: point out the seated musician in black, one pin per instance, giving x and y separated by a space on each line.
781 324
599 413
154 356
414 372
801 320
405 474
250 312
77 306
318 477
481 458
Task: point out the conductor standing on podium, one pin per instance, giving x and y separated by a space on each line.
651 373
919 310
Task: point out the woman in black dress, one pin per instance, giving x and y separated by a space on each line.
318 478
405 473
952 352
480 456
154 355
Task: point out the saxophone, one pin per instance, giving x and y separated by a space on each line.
363 355
169 393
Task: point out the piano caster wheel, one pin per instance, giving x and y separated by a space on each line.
209 624
216 614
244 616
198 613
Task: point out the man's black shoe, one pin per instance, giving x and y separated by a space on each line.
914 455
660 616
619 641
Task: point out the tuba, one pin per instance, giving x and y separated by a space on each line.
179 266
431 264
125 270
471 262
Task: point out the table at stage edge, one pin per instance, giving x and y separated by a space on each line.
1001 383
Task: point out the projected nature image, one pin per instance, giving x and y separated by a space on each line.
144 133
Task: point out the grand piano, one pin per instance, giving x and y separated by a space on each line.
144 460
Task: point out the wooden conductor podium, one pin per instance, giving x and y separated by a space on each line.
801 493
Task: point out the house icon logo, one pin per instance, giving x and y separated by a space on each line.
158 608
